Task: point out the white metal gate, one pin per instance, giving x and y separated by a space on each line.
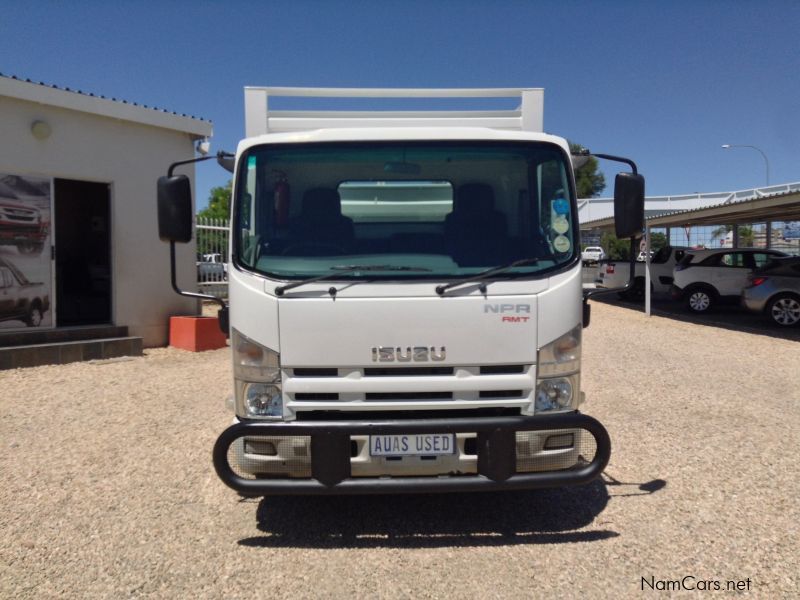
212 256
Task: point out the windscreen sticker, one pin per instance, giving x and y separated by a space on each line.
560 206
561 225
561 244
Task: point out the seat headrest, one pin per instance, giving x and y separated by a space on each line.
321 202
474 198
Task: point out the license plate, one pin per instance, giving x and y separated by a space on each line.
422 444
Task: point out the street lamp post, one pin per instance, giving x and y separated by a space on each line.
766 164
759 150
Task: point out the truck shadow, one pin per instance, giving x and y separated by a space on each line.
428 521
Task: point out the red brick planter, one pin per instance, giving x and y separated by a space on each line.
195 333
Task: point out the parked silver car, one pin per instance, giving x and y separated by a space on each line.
774 290
704 278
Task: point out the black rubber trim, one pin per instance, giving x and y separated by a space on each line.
330 455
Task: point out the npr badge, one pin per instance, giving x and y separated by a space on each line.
561 244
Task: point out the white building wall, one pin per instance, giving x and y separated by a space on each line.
130 157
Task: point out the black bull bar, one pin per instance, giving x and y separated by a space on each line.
330 455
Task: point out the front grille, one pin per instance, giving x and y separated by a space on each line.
323 415
13 214
413 387
407 371
316 396
315 372
410 396
501 394
502 369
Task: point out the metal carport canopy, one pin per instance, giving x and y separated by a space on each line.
775 207
784 206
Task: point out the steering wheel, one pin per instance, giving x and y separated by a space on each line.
313 249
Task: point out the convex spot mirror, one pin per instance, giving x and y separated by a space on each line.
175 209
629 205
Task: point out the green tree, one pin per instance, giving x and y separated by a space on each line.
615 248
657 240
590 182
618 249
747 237
219 203
721 231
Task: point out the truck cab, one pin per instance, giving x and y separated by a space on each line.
405 304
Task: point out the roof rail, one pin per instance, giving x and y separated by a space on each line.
259 119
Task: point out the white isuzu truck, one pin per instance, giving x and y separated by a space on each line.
406 302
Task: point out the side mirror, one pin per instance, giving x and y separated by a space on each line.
629 205
175 209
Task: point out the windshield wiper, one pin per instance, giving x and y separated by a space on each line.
441 289
339 270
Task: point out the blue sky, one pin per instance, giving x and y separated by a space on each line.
665 83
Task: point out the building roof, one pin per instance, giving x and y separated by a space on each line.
78 100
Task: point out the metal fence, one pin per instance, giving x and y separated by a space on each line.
212 256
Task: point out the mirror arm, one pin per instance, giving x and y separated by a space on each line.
627 161
218 156
621 159
587 294
181 292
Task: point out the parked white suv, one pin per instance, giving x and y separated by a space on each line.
592 254
615 274
704 278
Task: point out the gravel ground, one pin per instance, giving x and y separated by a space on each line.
108 488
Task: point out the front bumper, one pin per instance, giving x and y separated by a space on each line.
496 449
675 292
13 233
753 301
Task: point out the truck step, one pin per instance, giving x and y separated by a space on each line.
33 355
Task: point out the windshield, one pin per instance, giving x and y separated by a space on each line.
438 210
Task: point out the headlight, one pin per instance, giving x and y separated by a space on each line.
262 400
558 374
554 394
257 379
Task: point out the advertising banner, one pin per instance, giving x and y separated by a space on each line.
25 261
791 230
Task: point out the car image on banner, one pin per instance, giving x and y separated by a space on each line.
25 267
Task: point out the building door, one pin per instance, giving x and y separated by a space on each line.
82 252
